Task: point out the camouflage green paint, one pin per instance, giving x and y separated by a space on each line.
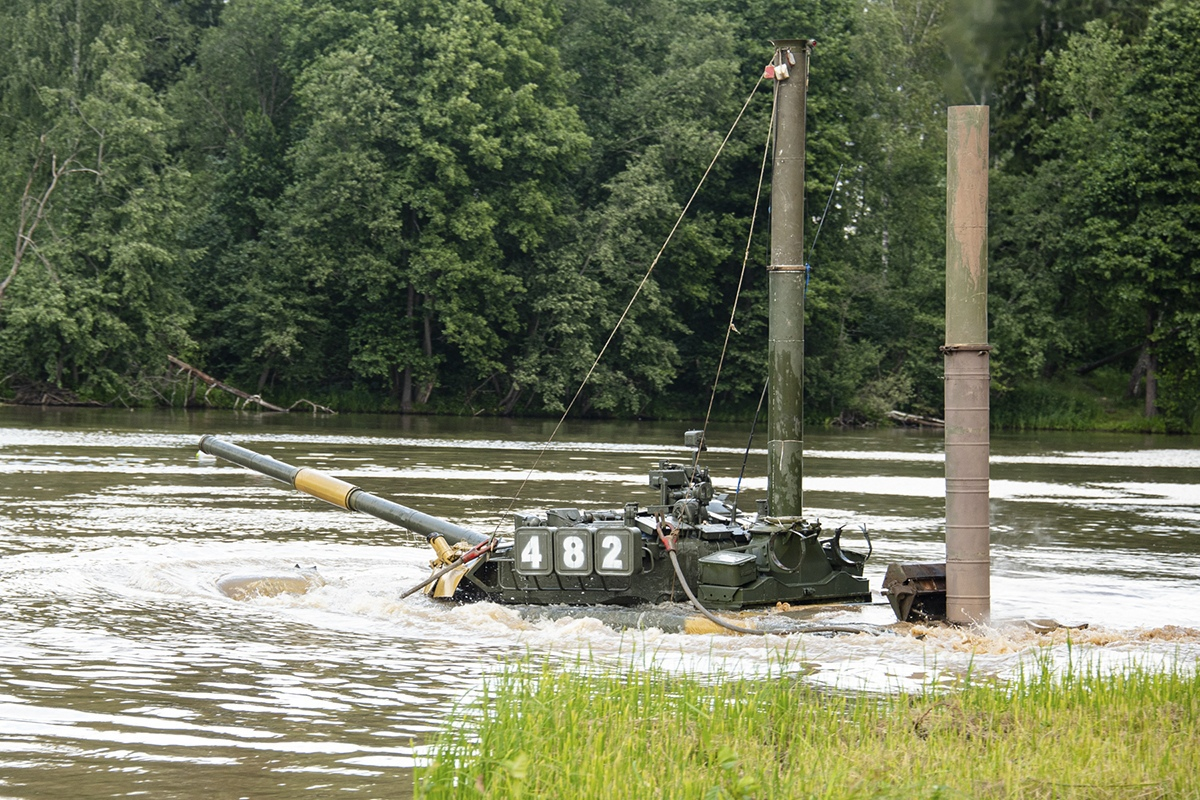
785 284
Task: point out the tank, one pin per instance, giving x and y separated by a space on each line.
692 544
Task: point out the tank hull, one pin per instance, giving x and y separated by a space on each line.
756 583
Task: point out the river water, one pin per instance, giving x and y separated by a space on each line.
124 671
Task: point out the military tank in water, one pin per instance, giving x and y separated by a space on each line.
692 544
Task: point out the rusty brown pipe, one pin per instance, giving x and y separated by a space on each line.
968 368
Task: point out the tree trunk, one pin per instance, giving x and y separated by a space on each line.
510 400
885 237
406 390
406 386
1151 382
427 348
1139 371
395 379
213 383
1147 368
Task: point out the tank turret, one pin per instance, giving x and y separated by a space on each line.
621 556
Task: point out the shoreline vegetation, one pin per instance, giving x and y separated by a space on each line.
1081 732
446 207
1097 403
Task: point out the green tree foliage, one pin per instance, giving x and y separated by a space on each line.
1157 241
999 53
449 205
659 88
1100 246
92 295
401 166
237 103
876 304
436 144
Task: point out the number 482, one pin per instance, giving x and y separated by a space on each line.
574 551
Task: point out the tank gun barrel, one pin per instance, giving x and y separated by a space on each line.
340 493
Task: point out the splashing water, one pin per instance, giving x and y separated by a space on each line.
123 665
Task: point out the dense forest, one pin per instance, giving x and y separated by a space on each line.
446 205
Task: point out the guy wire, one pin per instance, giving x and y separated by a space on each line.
762 171
625 313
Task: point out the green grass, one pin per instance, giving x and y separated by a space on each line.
644 733
1097 402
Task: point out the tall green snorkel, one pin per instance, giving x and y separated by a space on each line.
786 275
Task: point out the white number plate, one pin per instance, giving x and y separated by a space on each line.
533 551
615 551
539 552
573 551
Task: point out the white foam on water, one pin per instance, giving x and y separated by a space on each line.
118 648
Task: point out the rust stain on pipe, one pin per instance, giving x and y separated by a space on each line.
968 368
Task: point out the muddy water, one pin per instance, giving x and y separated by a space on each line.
123 670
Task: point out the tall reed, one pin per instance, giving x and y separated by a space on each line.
549 732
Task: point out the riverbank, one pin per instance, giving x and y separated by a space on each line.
1096 402
1082 733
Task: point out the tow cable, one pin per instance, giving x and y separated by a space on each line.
667 538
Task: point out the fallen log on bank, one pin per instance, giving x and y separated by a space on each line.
244 398
915 419
40 393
